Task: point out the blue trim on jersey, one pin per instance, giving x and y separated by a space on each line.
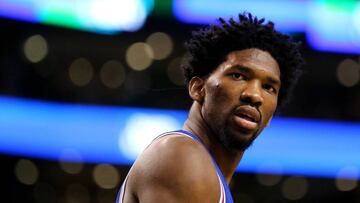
119 193
228 196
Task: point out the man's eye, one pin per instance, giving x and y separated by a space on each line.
270 88
237 76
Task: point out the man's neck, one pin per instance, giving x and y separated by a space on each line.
226 160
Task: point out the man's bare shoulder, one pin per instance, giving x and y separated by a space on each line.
178 165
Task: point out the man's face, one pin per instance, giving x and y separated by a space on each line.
241 97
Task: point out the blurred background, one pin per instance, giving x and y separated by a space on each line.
85 85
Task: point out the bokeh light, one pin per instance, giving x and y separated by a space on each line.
81 72
346 178
112 74
77 193
348 72
268 179
106 176
175 73
26 172
294 188
263 176
71 167
346 184
139 56
75 165
35 48
161 44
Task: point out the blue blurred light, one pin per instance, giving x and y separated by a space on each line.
109 134
288 14
328 25
333 30
102 16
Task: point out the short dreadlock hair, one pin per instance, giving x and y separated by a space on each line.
209 46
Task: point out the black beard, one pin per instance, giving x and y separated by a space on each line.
228 139
231 143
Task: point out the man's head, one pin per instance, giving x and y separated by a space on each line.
239 72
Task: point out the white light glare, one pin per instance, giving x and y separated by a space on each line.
356 19
118 14
141 129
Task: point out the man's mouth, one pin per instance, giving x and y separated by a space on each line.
245 122
247 117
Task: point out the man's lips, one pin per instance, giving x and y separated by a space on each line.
244 123
247 117
248 112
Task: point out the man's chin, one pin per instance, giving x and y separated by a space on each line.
238 140
242 134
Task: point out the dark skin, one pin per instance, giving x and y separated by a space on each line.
176 168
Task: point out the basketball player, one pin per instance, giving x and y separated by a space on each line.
237 73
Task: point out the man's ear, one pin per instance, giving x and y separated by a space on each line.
196 89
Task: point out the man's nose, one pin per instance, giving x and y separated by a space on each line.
252 93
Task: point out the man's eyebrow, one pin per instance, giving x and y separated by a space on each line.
245 69
242 68
273 80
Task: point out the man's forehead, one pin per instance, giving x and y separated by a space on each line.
252 58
